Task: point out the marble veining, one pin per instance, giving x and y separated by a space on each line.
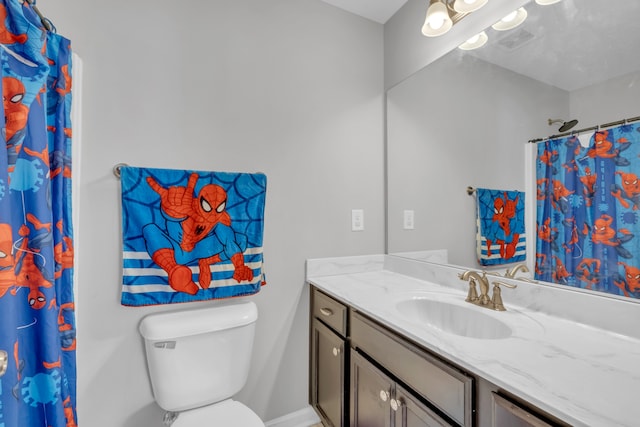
587 374
344 265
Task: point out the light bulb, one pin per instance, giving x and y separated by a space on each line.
468 6
437 21
475 42
511 21
510 17
474 39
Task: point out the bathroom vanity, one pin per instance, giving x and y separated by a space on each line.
393 343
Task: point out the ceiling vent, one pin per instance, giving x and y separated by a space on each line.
515 39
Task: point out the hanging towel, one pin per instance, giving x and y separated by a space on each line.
500 224
190 236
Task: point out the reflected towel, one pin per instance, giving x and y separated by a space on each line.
500 224
190 236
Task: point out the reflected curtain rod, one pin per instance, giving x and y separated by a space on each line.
594 128
45 22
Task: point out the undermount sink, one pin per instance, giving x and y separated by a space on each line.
452 318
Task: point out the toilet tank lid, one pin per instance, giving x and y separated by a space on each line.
176 324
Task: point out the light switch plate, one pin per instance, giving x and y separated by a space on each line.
357 220
408 223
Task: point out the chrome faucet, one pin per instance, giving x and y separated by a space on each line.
483 300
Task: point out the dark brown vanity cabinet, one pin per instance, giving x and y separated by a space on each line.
498 408
378 401
328 360
371 391
424 390
364 374
507 413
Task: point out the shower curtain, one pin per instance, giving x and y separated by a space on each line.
588 211
37 321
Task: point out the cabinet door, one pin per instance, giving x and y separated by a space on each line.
410 412
371 393
327 375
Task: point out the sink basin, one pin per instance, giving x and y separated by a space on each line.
466 321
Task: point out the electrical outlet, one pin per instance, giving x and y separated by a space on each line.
357 220
408 223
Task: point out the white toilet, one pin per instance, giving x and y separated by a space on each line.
198 359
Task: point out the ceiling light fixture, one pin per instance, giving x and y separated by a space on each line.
438 21
511 21
546 2
467 6
443 14
475 42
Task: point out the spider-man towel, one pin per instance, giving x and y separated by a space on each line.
501 237
190 236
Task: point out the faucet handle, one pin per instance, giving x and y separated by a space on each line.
506 285
472 296
496 299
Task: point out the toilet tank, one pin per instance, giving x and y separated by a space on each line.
201 356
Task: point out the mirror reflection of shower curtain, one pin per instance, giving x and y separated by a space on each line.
588 211
37 315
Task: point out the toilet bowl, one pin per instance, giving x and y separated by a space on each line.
198 360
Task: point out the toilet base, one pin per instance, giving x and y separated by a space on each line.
229 413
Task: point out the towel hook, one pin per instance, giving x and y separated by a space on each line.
116 169
470 190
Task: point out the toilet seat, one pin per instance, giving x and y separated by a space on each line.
228 413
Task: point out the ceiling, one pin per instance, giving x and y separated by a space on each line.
570 45
375 10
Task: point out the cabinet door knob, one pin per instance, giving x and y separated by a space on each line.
396 404
326 311
336 351
384 395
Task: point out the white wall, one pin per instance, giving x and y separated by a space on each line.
291 88
607 102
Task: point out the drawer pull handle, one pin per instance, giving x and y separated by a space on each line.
384 395
326 311
336 351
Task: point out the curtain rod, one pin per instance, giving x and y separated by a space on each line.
45 22
595 128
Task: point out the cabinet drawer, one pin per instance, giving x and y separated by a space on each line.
330 311
447 388
507 413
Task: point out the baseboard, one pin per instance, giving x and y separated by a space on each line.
305 417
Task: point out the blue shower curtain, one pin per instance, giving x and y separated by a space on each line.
588 211
37 321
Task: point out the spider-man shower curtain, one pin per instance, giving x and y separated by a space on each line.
37 326
588 217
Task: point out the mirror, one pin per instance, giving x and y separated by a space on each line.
466 119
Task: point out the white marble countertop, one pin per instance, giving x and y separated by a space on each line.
584 375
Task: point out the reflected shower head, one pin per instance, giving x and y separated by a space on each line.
565 125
